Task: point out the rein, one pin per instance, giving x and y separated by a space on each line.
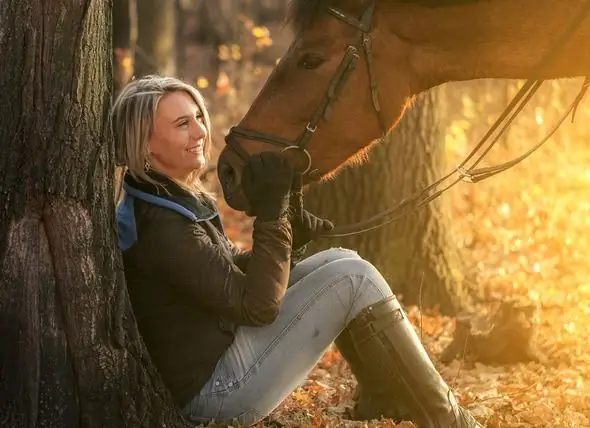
462 172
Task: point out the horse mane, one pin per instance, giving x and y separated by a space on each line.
301 13
437 3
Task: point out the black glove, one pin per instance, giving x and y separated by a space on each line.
266 180
307 228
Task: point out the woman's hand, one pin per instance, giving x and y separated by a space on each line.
266 180
307 228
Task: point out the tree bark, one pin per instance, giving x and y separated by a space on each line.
156 38
415 254
71 354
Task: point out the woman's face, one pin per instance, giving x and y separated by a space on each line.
177 144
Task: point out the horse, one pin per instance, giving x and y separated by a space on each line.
355 66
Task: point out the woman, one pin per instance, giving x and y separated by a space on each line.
233 333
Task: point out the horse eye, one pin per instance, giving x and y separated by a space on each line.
310 61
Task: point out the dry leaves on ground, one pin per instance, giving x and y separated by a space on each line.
525 233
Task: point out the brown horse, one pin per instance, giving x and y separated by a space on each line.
355 64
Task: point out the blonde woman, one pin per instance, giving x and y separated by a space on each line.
234 333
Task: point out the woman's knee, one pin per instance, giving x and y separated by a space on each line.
360 285
318 261
350 284
337 253
361 269
356 267
344 262
361 274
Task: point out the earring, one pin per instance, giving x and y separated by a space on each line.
147 165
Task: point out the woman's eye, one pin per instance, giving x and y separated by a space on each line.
310 61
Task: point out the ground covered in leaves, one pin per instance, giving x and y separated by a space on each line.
523 234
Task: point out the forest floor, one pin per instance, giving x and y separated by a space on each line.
524 233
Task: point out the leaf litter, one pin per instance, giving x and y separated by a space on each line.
523 235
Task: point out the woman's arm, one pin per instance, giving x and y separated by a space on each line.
184 256
241 257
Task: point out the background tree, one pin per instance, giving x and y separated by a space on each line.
227 49
415 253
124 40
207 29
71 354
155 51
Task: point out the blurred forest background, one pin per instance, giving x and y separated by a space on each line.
494 275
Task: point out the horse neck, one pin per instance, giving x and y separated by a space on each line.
490 39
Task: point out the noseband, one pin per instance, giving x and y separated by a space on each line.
347 66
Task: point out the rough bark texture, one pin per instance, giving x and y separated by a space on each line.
71 355
415 253
156 38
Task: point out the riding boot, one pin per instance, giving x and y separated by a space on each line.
389 349
373 398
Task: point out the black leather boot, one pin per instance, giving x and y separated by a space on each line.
389 351
373 398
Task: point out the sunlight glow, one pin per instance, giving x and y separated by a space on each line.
202 82
570 327
539 116
505 209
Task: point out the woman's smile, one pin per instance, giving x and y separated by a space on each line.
198 148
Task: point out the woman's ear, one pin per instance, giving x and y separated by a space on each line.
149 153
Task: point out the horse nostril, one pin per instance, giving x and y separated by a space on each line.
227 175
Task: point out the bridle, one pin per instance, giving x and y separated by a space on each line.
346 67
461 172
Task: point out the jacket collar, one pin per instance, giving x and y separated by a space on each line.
169 194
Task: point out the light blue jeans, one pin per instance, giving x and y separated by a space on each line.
265 364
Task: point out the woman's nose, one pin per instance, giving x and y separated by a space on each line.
199 131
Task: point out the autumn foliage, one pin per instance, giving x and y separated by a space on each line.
520 356
524 238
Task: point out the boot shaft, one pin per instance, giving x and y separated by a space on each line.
389 350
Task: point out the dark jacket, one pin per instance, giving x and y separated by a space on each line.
189 285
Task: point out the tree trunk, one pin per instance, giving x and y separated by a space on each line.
155 51
71 354
415 253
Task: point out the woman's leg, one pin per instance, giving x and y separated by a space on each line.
317 260
389 348
265 364
345 297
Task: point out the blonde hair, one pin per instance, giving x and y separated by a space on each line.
132 120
